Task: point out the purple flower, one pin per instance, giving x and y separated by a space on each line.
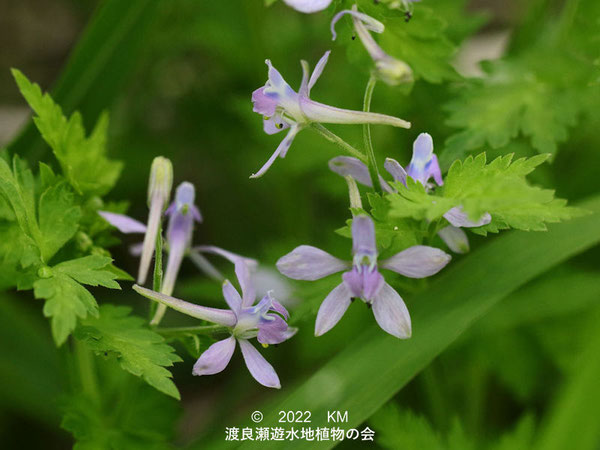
422 167
308 6
362 278
283 108
389 69
182 213
265 321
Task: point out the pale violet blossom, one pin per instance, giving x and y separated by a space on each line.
362 278
283 108
245 320
422 168
308 6
182 214
389 69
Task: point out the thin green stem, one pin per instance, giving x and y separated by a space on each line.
372 163
332 137
202 329
158 269
87 371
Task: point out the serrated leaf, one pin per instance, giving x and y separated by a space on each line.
144 420
138 349
83 159
498 188
66 299
58 218
518 96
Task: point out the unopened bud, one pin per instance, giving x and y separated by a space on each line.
355 201
161 180
392 71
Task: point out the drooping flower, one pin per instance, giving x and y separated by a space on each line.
265 321
363 279
389 69
159 191
423 166
308 6
283 108
182 214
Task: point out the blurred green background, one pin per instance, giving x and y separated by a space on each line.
176 77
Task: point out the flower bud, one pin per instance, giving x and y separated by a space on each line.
161 180
392 71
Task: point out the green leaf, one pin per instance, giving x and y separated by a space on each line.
66 299
403 429
525 95
374 366
499 188
100 65
83 160
138 349
420 42
143 420
58 218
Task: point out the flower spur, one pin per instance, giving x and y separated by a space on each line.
283 108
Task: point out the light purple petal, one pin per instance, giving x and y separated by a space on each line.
418 261
318 70
354 167
363 236
308 6
435 171
395 170
223 317
279 308
136 249
391 313
455 238
274 124
423 147
215 358
309 263
372 284
419 168
354 282
348 165
369 22
196 214
262 103
232 297
272 330
258 366
281 150
332 309
123 223
319 112
205 265
459 218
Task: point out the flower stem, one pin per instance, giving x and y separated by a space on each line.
332 137
372 163
87 371
158 270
